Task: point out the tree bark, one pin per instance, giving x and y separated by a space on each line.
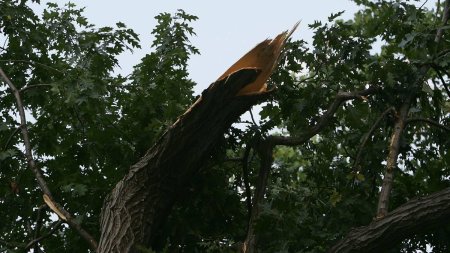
415 216
139 204
394 147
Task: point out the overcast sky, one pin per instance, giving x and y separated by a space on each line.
225 29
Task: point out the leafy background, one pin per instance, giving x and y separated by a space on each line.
88 125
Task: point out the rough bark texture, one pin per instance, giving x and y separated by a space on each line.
140 203
416 216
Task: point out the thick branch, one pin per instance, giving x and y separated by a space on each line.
26 138
383 200
33 166
265 151
324 120
394 147
415 216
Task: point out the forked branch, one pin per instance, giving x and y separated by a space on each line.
341 97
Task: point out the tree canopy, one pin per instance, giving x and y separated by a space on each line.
350 152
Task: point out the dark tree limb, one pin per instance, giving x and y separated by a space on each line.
35 169
265 151
34 63
394 147
369 134
16 131
28 87
136 209
341 97
37 228
438 72
445 18
428 121
415 216
246 180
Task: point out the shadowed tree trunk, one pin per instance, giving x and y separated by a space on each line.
140 203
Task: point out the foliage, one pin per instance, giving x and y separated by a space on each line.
326 192
89 125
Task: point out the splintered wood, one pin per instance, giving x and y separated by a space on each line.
265 57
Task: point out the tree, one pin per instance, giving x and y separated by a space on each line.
349 136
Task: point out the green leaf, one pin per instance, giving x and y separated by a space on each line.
3 127
407 40
426 88
335 198
7 154
332 17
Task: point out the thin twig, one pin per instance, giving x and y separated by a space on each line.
442 53
34 86
429 121
245 176
369 134
253 119
36 240
426 1
438 6
11 137
9 244
445 17
37 173
37 228
438 72
34 63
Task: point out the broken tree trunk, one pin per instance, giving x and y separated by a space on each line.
141 201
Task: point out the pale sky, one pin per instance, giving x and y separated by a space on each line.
225 29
